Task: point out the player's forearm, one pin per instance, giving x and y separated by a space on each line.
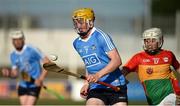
43 75
44 72
112 66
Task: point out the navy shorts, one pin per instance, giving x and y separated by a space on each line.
35 91
109 96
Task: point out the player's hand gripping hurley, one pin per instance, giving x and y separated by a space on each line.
55 68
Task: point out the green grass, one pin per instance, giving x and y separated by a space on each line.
57 102
42 102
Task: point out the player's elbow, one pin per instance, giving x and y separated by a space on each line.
118 62
115 58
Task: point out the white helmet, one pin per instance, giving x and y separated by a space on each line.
153 33
17 34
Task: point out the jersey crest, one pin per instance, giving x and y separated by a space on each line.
156 60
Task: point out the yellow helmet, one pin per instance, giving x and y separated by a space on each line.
84 13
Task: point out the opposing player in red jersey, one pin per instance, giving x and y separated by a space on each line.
154 67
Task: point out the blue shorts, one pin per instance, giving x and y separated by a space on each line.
35 91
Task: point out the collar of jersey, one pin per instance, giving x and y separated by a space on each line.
20 52
85 40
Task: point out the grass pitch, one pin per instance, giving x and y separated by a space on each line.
42 102
51 102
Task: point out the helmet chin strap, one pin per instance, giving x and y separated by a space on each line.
153 52
90 26
84 33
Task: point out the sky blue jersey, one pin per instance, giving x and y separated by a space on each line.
93 52
27 61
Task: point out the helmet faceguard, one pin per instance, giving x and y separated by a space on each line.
83 16
153 35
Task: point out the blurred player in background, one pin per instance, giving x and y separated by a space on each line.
154 67
26 64
101 59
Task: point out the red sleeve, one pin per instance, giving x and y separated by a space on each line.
175 63
132 64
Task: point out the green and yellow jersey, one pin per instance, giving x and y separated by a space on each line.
155 74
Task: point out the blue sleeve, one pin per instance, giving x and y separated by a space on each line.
13 60
37 53
105 42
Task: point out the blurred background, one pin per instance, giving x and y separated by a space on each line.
47 24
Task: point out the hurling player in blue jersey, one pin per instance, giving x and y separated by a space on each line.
101 59
26 64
